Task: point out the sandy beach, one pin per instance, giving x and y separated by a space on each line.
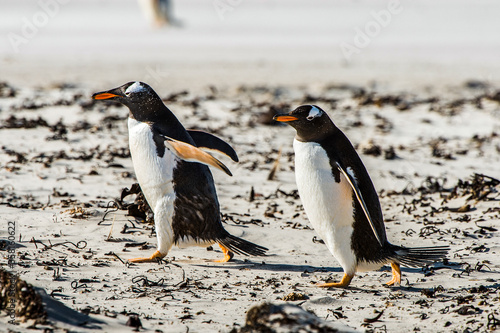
420 102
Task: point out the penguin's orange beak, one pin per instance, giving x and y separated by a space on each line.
103 95
284 118
109 94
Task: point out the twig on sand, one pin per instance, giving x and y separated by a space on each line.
80 245
107 211
374 319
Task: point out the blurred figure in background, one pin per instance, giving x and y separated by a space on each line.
159 12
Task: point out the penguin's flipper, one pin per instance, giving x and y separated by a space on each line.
191 153
354 185
210 141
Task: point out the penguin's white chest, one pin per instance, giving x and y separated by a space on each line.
154 173
328 204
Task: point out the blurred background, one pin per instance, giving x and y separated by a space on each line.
230 42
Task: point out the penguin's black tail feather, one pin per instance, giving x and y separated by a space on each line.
241 246
419 256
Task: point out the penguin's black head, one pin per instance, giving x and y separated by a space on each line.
139 97
310 122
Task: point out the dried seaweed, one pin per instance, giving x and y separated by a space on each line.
270 318
477 188
266 117
134 321
374 319
293 296
139 208
80 245
6 90
13 122
28 304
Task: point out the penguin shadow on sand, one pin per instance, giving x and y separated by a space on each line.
238 264
59 312
430 292
308 271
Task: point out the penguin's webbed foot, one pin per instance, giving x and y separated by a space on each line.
344 283
228 255
154 258
396 274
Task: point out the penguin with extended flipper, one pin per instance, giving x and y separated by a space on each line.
173 174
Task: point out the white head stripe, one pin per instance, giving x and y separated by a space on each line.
135 87
314 112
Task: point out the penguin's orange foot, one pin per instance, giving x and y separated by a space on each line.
344 283
396 274
154 258
228 255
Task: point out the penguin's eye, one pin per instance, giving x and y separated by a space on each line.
310 118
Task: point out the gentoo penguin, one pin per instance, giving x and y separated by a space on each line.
173 174
341 202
